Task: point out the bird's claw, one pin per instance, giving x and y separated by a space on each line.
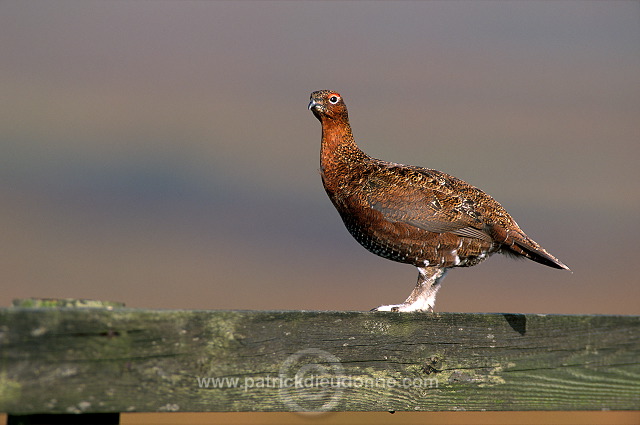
400 308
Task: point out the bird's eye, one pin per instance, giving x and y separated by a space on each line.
333 99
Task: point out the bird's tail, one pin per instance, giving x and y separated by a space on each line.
520 245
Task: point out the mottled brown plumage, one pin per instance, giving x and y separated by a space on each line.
410 214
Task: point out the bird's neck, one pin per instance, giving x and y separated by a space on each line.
338 146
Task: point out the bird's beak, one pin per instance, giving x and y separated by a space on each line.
312 104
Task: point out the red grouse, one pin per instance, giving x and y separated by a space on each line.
410 214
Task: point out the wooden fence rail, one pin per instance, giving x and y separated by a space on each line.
107 359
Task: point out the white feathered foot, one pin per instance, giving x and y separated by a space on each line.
423 297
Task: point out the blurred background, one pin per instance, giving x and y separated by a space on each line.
162 154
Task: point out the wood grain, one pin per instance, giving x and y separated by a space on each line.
90 360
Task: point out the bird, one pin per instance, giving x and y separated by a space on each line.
410 214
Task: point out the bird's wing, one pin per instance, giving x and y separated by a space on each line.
426 199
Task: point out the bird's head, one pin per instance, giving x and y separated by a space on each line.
328 104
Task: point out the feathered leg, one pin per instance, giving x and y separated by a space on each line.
423 297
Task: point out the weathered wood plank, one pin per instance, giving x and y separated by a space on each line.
81 360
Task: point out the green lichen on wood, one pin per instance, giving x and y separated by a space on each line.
65 360
9 389
64 303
